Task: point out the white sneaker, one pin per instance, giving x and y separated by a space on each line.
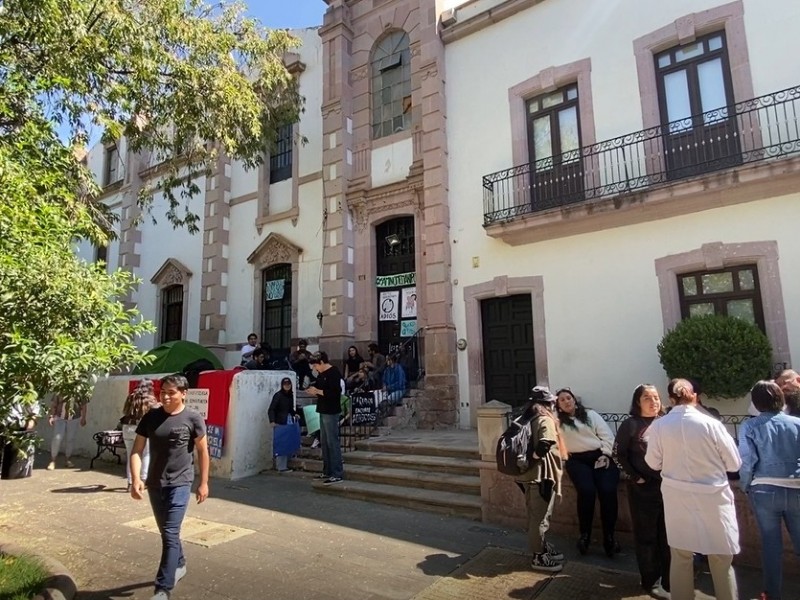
51 466
551 551
160 595
659 592
69 464
180 573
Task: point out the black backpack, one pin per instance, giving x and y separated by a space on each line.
513 454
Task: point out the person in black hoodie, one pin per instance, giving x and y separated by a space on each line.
280 411
644 491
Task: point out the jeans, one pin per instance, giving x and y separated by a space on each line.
331 451
129 436
681 578
649 533
63 428
540 511
169 507
281 462
591 483
772 505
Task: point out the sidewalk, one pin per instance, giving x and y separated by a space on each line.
271 536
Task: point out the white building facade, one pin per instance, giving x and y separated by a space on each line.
254 266
613 169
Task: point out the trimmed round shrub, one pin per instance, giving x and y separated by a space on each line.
725 355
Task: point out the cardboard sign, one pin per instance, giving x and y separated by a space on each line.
215 433
387 306
363 409
197 400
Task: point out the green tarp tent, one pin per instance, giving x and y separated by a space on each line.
173 357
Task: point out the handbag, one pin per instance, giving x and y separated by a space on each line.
286 439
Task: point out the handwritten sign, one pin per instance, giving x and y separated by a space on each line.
384 281
388 306
215 433
197 400
363 409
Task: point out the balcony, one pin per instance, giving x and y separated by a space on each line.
761 129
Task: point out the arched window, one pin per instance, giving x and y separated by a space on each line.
172 313
391 85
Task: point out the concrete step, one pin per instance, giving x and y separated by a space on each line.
309 464
414 462
448 503
411 478
408 445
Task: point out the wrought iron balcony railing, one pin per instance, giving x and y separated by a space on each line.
759 129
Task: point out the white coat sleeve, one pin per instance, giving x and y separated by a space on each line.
655 453
726 446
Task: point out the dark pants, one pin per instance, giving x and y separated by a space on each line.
169 507
331 450
303 370
649 533
591 483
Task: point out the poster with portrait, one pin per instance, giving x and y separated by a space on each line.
387 305
409 310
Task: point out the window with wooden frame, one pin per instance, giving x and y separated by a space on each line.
695 93
391 85
733 292
280 161
111 164
171 313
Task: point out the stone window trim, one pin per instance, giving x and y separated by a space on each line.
172 272
550 80
717 255
728 18
273 250
262 194
500 287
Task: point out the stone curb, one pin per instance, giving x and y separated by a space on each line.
59 586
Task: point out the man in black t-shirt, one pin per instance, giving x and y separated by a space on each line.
174 433
328 390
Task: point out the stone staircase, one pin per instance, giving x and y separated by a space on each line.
436 471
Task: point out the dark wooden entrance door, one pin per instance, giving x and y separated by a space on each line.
509 367
396 255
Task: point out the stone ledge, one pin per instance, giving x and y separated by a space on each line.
60 584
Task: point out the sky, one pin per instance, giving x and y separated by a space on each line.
287 13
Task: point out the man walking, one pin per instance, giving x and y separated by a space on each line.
694 452
174 433
328 390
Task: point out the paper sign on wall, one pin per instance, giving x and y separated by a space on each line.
197 400
215 433
408 328
409 303
275 289
387 305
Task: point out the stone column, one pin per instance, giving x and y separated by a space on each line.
338 271
441 384
130 212
214 274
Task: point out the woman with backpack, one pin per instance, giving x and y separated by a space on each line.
590 442
541 478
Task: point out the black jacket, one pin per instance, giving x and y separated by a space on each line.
281 407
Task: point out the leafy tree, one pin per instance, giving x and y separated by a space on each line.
181 80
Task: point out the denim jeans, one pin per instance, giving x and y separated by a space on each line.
772 505
331 451
591 483
169 507
63 429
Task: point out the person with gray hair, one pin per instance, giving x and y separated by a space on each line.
694 452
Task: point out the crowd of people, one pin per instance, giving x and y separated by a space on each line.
678 464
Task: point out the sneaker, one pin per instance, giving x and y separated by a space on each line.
551 551
180 573
332 480
160 595
659 592
51 466
543 562
583 544
315 443
285 470
69 464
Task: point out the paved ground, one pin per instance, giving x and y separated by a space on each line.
271 536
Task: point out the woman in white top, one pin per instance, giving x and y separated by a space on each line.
137 404
590 442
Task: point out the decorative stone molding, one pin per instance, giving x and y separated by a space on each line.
717 255
275 249
173 272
